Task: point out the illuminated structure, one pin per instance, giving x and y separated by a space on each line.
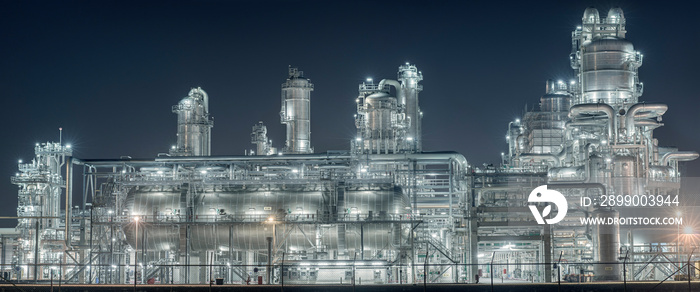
380 205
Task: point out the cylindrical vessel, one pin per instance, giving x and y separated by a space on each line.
553 102
251 215
607 245
609 71
296 112
409 77
193 125
626 179
381 109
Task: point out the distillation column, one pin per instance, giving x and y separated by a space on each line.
39 206
408 125
258 136
296 113
606 62
193 125
409 76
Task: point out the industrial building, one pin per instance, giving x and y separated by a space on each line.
380 210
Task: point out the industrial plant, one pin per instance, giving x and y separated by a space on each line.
385 210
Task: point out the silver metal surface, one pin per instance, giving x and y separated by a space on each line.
193 125
296 112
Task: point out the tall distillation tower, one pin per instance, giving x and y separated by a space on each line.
39 208
193 125
386 123
296 112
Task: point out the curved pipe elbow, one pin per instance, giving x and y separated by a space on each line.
578 109
205 98
679 156
391 82
642 110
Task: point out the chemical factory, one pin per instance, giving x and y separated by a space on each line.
385 210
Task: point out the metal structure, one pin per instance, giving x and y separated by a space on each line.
296 112
405 215
263 146
193 125
390 124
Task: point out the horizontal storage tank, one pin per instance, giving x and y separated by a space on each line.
241 217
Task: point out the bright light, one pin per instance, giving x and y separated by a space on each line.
68 146
363 170
560 82
604 142
688 230
124 171
517 120
507 137
295 170
172 147
271 219
203 172
20 161
409 139
369 79
358 139
376 263
608 160
136 218
159 172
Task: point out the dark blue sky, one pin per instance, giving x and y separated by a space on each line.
108 72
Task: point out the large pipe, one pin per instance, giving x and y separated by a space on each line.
394 83
534 156
591 108
585 186
679 156
648 123
642 110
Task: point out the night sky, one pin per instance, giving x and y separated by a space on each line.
108 72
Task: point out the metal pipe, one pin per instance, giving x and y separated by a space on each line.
641 110
390 82
591 108
69 201
205 100
599 186
679 156
536 156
